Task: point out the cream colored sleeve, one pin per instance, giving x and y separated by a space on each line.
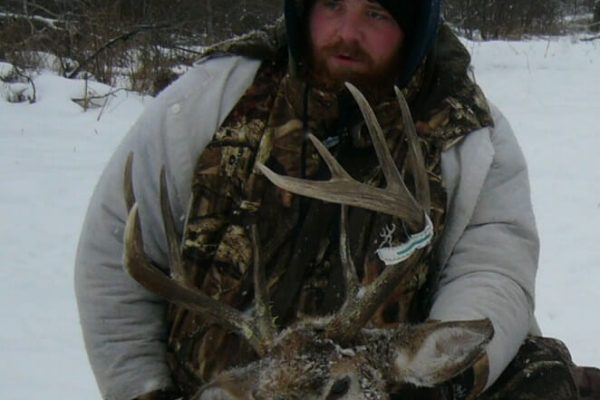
123 324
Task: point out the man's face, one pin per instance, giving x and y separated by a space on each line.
354 40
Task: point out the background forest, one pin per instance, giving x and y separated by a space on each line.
142 44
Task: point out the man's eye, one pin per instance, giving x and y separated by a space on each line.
378 15
332 4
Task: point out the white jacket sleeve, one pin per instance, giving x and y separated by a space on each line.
490 267
123 324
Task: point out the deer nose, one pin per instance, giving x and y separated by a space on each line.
339 388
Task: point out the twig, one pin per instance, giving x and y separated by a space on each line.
97 97
111 93
109 96
48 22
44 9
547 48
123 37
589 39
186 50
86 101
586 25
20 73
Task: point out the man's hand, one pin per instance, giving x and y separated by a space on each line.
469 384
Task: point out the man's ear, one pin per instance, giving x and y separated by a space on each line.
434 352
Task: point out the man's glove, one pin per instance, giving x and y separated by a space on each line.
469 384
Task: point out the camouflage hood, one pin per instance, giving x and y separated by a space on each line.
418 19
420 23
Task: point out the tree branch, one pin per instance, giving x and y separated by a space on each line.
121 38
17 72
48 22
589 39
44 9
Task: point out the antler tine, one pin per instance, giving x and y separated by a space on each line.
358 309
388 166
350 277
128 182
261 296
173 243
415 154
337 171
140 268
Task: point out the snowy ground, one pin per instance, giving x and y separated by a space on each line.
51 154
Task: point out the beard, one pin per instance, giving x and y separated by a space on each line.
371 78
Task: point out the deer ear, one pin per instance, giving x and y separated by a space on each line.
435 352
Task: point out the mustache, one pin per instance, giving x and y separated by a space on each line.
352 50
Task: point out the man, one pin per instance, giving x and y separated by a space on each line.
205 130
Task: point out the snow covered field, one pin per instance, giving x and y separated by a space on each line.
52 152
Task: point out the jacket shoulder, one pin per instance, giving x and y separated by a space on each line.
225 73
485 157
181 121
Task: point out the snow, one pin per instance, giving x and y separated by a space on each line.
550 92
52 152
51 155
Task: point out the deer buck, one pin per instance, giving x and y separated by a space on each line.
337 356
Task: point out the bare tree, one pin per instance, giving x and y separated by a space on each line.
596 20
493 19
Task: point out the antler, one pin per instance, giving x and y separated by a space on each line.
395 200
178 288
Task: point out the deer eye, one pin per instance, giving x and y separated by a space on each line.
339 388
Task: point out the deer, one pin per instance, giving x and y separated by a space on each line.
338 356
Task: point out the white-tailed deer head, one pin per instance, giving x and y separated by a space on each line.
334 357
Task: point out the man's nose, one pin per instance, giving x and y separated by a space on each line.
350 28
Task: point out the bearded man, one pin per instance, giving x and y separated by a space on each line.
281 83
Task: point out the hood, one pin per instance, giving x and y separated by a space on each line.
420 20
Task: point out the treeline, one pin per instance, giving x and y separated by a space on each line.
497 19
143 41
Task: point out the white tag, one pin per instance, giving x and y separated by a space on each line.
397 254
